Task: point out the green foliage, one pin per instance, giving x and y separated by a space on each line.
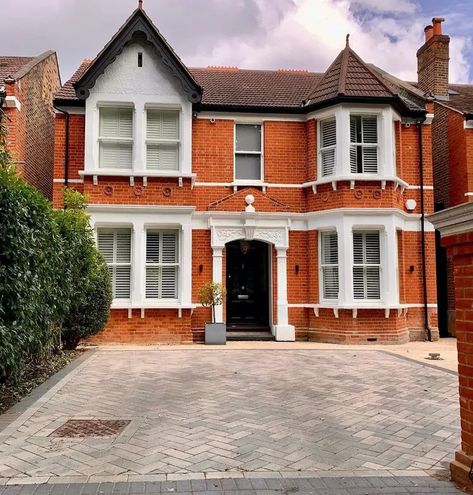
54 285
212 294
88 275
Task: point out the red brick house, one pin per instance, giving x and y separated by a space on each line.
27 87
452 132
304 193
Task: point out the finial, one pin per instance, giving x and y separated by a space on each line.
140 4
348 40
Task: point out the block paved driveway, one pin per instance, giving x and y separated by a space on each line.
241 413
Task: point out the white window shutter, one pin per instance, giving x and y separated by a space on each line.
115 247
162 132
366 267
329 250
370 160
370 129
116 124
105 243
162 264
328 141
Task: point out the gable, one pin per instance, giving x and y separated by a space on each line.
139 30
237 202
124 77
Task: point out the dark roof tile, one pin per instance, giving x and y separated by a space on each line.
9 66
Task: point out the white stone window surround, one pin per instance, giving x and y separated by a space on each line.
386 117
139 219
122 84
345 225
138 167
245 182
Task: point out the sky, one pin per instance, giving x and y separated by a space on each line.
255 34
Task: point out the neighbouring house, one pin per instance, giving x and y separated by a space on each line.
27 88
452 141
304 193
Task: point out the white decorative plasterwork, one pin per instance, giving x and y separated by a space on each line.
227 235
249 227
271 236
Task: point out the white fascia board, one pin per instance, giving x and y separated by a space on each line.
251 118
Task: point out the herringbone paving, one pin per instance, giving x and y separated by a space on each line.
197 411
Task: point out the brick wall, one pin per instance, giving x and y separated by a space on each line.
432 65
289 157
31 133
460 248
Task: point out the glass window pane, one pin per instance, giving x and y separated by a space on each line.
248 167
248 137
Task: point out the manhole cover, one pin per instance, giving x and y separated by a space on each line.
90 428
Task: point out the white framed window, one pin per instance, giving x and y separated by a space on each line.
162 264
248 152
115 137
162 139
329 264
328 144
366 265
115 247
363 144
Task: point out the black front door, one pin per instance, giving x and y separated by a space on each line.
247 284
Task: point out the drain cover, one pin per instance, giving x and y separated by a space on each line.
90 428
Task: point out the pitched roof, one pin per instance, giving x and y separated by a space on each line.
349 76
17 67
138 28
230 88
9 66
254 88
461 97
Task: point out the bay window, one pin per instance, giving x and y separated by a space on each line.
366 265
363 144
328 142
329 264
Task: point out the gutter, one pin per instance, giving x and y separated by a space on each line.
422 229
66 147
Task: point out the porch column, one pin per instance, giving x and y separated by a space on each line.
283 331
217 273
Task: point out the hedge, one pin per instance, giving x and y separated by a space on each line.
54 285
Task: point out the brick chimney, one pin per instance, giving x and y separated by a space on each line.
432 61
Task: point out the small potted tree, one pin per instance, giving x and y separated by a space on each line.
210 295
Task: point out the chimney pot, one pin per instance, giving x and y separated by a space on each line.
437 25
428 32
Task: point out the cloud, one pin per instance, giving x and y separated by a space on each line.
298 34
311 33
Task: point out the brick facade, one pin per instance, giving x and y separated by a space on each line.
294 203
31 124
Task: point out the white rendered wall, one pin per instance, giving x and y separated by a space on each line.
152 85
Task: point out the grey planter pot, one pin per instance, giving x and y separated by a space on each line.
215 333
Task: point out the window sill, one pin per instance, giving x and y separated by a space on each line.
248 183
355 307
171 304
174 174
354 178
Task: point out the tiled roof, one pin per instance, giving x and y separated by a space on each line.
236 87
461 97
9 66
67 91
233 88
254 88
349 76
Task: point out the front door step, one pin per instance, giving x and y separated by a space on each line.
247 335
